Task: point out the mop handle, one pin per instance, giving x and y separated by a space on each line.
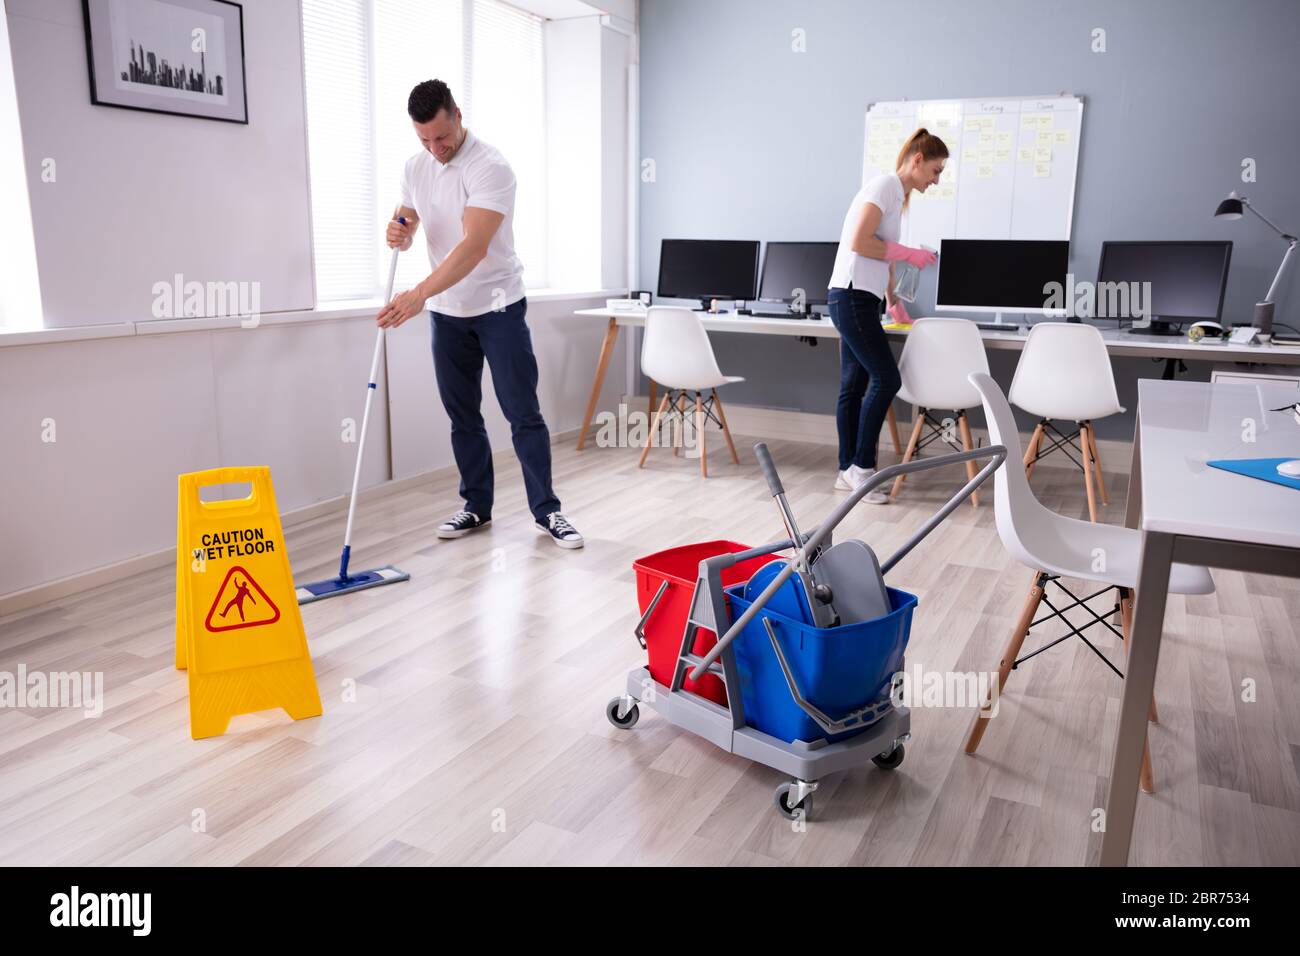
365 416
778 494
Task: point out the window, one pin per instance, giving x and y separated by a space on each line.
361 59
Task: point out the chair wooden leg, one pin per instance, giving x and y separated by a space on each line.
726 432
1031 452
892 422
1008 657
679 424
1096 463
699 435
1147 777
918 421
1085 444
650 406
654 430
963 425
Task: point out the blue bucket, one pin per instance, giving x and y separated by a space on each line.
837 669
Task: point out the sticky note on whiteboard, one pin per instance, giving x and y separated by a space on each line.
1042 170
1043 138
984 172
1002 156
1043 154
1026 154
1062 136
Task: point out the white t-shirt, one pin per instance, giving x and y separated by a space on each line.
869 275
477 176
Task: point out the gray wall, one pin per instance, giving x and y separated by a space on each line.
754 141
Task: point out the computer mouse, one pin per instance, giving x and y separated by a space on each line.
1289 469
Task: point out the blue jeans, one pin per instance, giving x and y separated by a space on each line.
459 347
869 377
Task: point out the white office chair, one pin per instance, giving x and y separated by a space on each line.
677 354
937 357
1064 374
1056 546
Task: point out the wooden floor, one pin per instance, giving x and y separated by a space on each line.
478 736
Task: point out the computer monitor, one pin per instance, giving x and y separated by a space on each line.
797 273
1000 275
1167 282
707 269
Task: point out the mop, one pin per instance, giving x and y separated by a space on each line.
346 583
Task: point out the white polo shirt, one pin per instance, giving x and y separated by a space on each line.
477 176
885 192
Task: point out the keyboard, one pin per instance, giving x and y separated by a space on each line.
997 326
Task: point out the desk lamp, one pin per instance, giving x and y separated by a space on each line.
1232 208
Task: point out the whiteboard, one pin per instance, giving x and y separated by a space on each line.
1011 167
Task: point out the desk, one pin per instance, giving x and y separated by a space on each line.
1194 515
1118 343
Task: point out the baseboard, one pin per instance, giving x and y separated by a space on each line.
779 424
120 570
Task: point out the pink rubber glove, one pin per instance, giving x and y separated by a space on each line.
899 314
897 252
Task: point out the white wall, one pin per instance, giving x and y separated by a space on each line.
20 295
573 144
586 153
141 196
131 413
615 55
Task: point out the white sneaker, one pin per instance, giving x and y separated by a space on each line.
853 477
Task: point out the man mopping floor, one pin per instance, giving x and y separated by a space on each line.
463 191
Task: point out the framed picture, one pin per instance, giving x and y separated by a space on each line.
168 56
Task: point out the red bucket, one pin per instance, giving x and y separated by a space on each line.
663 631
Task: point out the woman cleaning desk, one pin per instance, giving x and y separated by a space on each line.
863 279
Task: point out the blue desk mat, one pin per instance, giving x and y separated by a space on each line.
1264 469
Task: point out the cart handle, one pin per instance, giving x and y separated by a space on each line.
997 454
862 717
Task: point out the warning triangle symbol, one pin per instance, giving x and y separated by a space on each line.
240 602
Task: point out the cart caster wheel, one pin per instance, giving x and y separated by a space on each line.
628 720
890 760
802 809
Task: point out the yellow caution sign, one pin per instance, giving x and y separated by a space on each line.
238 627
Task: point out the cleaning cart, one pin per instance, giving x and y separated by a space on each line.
802 678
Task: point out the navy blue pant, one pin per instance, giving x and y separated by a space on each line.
869 377
459 347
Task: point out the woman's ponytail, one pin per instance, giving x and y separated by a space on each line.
925 143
